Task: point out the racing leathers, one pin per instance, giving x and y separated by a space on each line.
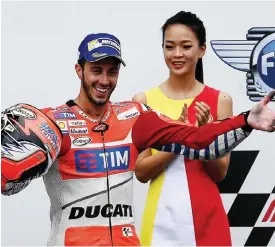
90 183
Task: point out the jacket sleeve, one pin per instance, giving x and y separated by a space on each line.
154 130
66 141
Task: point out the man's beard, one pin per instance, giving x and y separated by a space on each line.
88 89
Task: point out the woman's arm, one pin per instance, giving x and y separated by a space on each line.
149 166
217 169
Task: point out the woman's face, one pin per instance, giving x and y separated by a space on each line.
181 49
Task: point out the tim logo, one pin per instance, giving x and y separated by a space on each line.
64 115
255 56
97 161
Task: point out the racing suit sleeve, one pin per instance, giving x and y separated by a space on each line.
154 130
66 141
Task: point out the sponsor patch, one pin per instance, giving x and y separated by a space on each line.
127 231
50 135
90 161
64 115
63 126
131 113
111 43
102 42
93 44
82 141
79 131
77 122
106 211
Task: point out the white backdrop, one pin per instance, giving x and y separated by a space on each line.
39 47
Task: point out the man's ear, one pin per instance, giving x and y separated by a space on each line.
79 71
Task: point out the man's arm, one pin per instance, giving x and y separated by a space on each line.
153 165
155 130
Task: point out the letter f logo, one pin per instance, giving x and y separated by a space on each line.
265 63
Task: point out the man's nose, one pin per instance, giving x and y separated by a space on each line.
104 79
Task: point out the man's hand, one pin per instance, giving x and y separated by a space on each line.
261 117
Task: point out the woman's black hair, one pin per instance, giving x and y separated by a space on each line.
192 21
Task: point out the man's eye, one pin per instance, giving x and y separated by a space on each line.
97 71
113 72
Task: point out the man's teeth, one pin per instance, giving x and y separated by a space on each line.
102 90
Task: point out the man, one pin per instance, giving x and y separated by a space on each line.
86 149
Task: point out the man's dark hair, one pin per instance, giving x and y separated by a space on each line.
81 62
192 21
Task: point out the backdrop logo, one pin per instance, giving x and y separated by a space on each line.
252 213
270 213
255 56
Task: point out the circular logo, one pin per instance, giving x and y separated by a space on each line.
263 64
266 64
61 125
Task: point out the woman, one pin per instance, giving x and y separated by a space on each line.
183 205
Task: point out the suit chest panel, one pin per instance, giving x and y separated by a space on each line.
92 154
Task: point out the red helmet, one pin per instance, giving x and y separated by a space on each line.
30 143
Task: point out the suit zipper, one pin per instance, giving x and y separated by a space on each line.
108 185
